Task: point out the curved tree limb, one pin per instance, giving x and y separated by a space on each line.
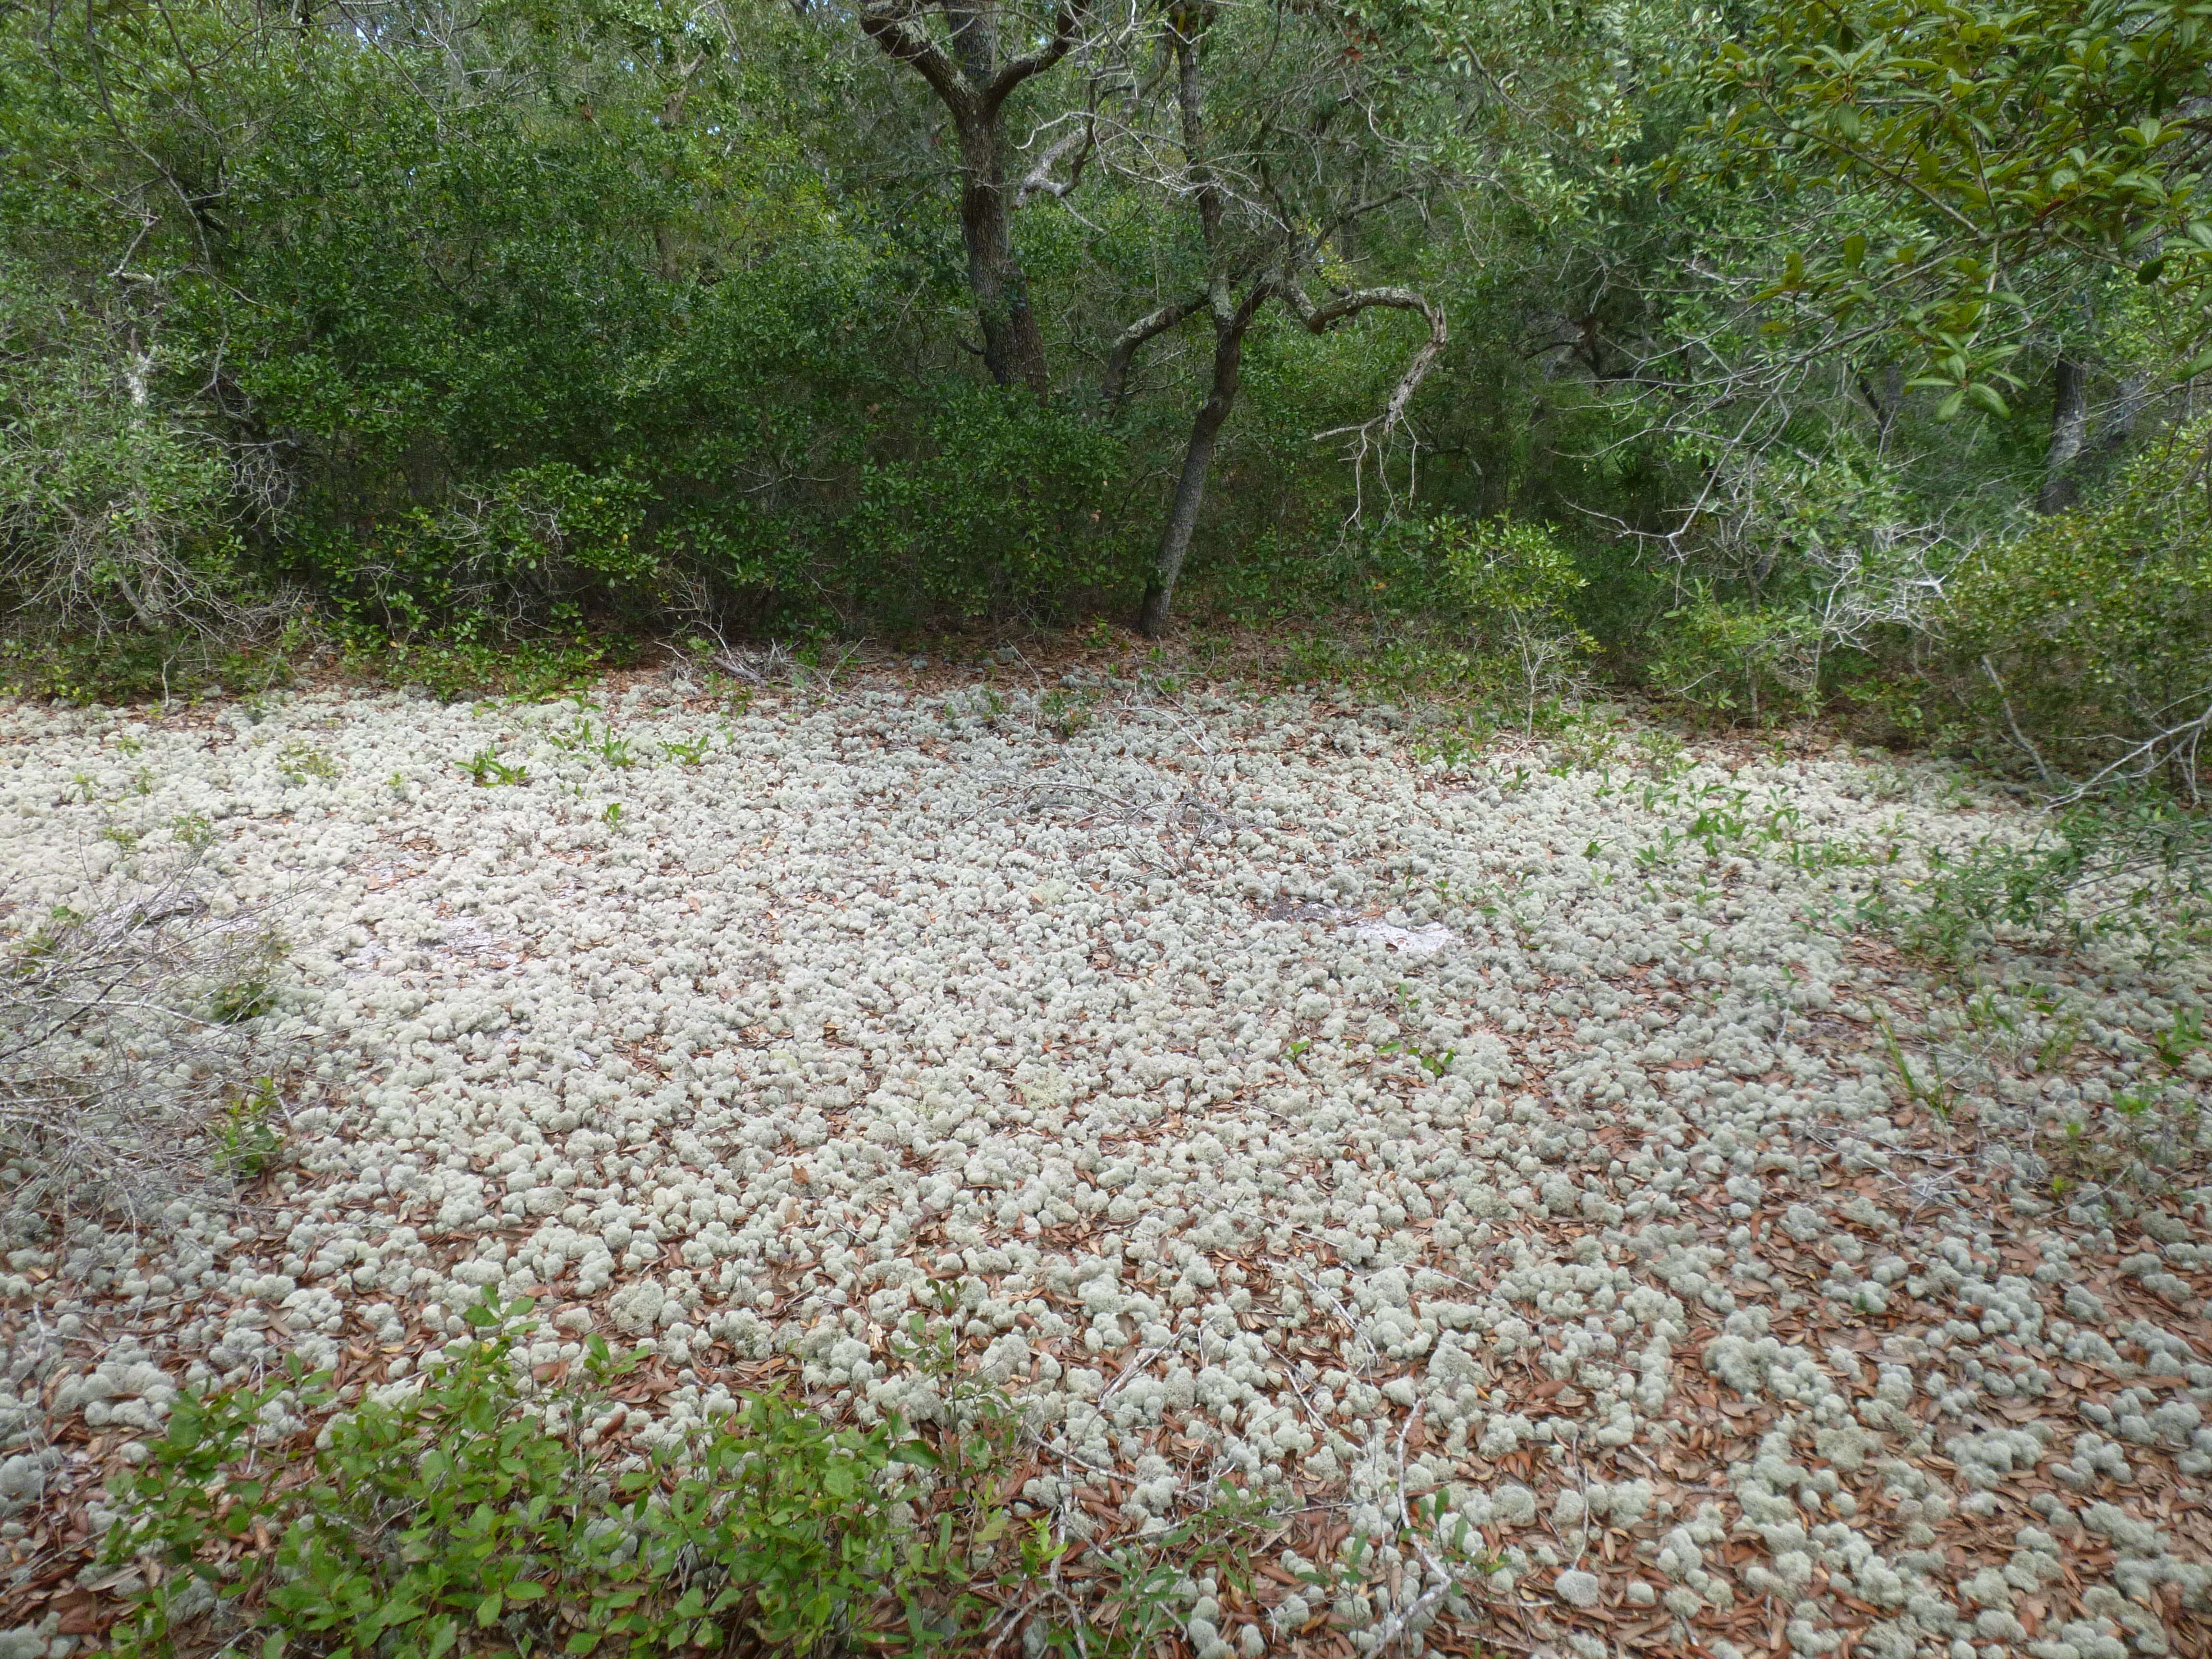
1132 339
1082 140
1320 319
1067 30
893 28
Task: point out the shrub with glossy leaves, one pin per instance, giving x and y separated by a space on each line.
459 1518
2086 643
480 1510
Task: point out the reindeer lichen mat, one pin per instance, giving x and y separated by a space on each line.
1564 1187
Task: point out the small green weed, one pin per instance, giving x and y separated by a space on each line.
983 706
686 751
487 771
249 1136
1434 1065
300 760
2182 1039
1933 1090
453 671
252 992
1065 712
584 738
1453 749
2058 1044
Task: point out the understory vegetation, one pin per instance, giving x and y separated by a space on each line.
491 1507
480 345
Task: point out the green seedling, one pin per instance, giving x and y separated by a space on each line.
2182 1039
300 760
488 771
2137 1102
1661 851
248 1136
688 752
1065 713
1933 1093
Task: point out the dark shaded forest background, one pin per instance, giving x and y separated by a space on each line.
1780 360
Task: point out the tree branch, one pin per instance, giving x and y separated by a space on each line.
1066 29
891 27
1039 181
1320 319
1132 339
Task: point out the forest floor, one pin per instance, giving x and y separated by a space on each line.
1269 1094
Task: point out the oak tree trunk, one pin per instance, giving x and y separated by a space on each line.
1013 345
1197 461
2069 423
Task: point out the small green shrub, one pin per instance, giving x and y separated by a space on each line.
2075 646
1065 713
1512 587
136 665
452 670
453 1520
1720 660
2146 859
481 1512
300 760
488 771
249 1136
249 990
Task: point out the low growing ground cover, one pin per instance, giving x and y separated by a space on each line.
1536 1173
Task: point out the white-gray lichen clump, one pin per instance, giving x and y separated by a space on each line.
1256 1101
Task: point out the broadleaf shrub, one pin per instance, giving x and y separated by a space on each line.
2078 644
1516 583
458 1516
2133 868
475 1510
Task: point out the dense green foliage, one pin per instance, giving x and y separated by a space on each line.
441 329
